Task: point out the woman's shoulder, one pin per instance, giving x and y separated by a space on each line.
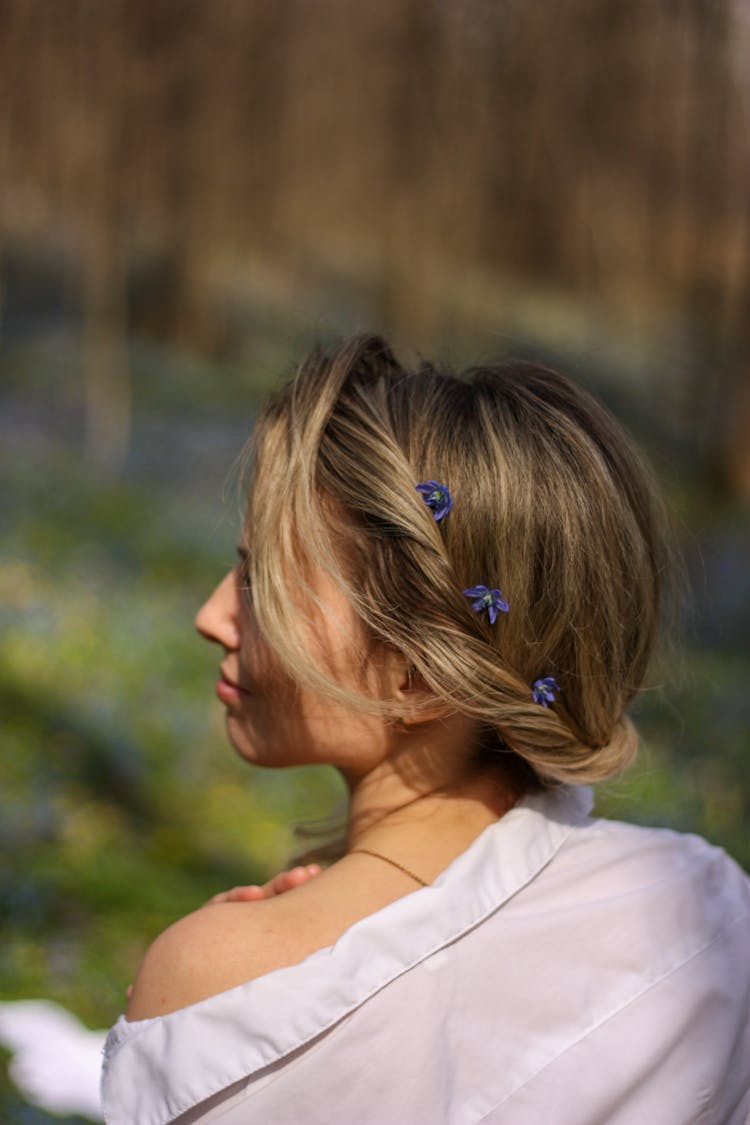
226 944
219 947
657 849
659 875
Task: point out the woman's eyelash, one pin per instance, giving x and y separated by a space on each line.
242 572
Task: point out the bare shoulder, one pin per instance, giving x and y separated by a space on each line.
219 947
223 945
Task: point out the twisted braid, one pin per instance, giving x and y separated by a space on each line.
550 501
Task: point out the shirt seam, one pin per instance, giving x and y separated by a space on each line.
611 1015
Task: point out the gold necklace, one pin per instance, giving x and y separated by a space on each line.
393 863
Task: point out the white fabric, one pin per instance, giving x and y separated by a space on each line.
562 971
57 1060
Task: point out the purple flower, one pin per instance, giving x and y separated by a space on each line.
491 600
544 690
436 496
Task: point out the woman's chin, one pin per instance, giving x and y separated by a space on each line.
249 749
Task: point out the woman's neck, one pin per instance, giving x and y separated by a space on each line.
428 797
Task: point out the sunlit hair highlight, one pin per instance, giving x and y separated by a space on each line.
551 503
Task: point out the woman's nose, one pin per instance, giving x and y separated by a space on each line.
218 618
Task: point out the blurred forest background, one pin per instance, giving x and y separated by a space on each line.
190 193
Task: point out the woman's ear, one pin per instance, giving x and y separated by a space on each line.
415 700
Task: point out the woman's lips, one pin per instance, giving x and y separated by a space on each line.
229 692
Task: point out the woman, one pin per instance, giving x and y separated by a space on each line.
449 589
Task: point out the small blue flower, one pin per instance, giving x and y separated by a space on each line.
544 690
436 496
491 600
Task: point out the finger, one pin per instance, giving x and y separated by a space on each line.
284 881
238 894
250 893
288 880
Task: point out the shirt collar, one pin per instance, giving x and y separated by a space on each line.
157 1068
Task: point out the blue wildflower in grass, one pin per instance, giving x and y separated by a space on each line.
544 690
436 496
491 600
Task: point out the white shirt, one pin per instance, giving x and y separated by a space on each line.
562 971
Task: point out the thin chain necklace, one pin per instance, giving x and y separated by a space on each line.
393 863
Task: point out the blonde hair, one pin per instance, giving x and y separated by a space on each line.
551 504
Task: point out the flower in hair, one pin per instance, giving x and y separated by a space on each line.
544 690
491 600
436 496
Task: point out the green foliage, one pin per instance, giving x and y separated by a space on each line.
691 773
121 805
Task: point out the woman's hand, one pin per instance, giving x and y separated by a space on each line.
284 881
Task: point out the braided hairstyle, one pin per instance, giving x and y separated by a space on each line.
551 503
